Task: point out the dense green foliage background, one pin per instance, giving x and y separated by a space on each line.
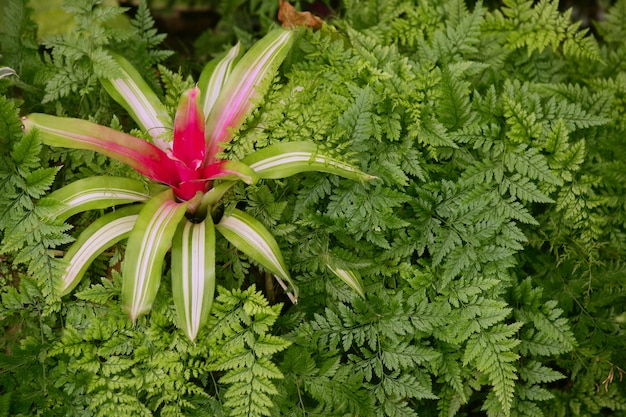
491 245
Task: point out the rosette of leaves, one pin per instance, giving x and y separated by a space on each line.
189 179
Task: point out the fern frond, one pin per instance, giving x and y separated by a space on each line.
534 373
28 232
79 58
493 353
243 319
454 105
99 293
535 27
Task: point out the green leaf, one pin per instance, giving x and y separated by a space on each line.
231 170
193 274
214 75
99 293
215 194
534 372
147 246
244 86
351 278
131 91
6 72
492 351
100 192
26 152
284 159
39 181
99 236
252 238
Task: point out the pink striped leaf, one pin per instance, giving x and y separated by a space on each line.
230 170
288 158
100 192
214 76
140 155
244 86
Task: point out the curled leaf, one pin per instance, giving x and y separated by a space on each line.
290 18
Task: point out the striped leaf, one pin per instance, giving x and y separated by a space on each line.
244 87
95 239
100 192
230 170
193 274
214 76
284 159
147 246
132 92
252 238
6 72
351 278
138 154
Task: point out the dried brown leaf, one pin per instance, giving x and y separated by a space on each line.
290 18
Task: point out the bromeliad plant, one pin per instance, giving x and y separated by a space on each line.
190 178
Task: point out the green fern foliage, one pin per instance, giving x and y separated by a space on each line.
491 244
102 365
487 155
147 39
536 27
80 57
19 49
240 334
28 233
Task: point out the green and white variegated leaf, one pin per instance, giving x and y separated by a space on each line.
284 159
100 192
247 82
231 170
351 278
6 72
95 239
214 76
132 92
252 238
193 274
147 246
